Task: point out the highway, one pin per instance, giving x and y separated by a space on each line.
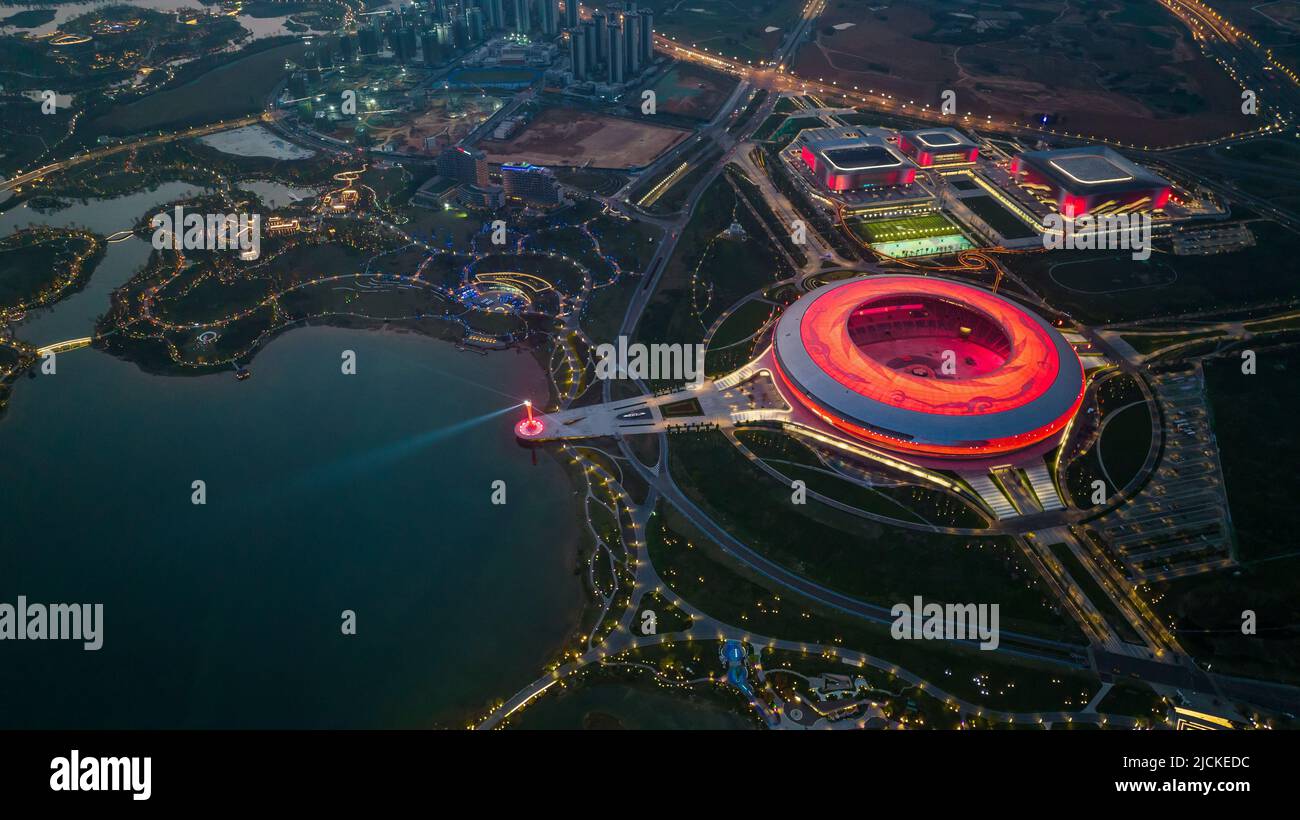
715 131
99 153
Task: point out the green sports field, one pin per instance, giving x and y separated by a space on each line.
908 227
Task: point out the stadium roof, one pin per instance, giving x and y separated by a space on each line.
854 148
1030 396
1092 170
865 158
939 139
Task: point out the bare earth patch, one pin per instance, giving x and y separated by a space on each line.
569 136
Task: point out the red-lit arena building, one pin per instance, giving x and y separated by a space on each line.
1093 180
938 147
927 367
853 159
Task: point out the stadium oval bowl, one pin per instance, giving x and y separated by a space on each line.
928 366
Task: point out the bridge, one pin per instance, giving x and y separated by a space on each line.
64 346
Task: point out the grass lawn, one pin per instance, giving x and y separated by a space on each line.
706 274
1105 286
1251 413
1133 698
630 242
769 126
1206 611
732 28
1144 343
697 571
1125 442
232 90
869 560
606 308
846 492
743 323
998 218
30 266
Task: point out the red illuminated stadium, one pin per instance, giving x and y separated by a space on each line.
853 159
928 366
931 147
1093 180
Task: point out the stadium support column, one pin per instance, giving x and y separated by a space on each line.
522 23
616 55
571 14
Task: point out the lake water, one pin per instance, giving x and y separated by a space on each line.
75 315
325 492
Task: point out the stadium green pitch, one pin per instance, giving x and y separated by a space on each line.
905 228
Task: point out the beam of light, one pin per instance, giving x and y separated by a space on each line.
444 374
350 467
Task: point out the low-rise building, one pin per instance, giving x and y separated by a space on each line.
531 184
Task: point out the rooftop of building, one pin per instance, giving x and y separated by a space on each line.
939 138
1092 169
862 158
854 148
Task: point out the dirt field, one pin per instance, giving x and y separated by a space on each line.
571 136
691 91
1109 69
